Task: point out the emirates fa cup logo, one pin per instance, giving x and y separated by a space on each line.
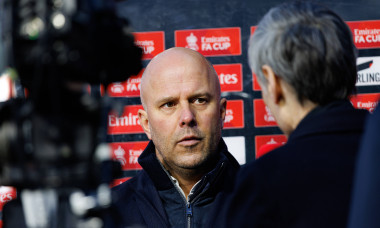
119 153
192 42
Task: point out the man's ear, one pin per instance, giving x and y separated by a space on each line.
144 122
274 86
223 109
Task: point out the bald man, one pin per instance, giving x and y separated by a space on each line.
186 165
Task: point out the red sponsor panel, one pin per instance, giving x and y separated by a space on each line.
128 88
366 34
7 194
210 42
127 153
127 123
367 101
263 140
230 77
256 85
262 115
152 43
118 181
234 114
253 28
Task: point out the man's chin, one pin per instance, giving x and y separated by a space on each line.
194 163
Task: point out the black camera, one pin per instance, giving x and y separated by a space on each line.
52 136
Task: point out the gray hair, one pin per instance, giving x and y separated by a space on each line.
309 47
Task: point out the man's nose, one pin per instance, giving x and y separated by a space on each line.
187 116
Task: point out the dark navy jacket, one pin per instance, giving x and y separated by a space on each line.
365 204
305 183
145 199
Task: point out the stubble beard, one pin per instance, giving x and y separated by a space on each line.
202 154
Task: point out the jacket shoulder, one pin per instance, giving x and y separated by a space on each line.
128 188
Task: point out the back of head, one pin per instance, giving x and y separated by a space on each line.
308 46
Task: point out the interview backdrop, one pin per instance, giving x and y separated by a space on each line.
220 30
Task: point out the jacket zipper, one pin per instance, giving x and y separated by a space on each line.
189 214
189 208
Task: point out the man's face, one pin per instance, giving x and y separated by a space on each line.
184 113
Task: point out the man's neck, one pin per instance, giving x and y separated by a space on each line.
187 178
186 181
303 110
294 112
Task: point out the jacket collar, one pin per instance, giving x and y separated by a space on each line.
330 118
155 171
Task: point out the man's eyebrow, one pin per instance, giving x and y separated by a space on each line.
165 100
172 98
205 94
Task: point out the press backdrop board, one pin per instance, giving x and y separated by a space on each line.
220 30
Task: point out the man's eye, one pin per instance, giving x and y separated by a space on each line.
168 105
200 100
